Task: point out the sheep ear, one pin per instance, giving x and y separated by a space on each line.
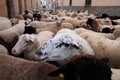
26 23
77 45
32 38
105 59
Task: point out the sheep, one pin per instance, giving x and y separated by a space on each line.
113 36
116 32
29 30
42 24
109 16
96 26
29 43
64 45
56 27
84 67
19 16
73 21
116 74
4 23
9 37
3 50
13 68
27 15
67 25
103 47
107 35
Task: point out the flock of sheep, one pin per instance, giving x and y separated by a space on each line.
40 45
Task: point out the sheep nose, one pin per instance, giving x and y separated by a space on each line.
13 50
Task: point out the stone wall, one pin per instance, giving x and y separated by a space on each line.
100 9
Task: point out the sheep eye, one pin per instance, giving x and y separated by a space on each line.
45 53
27 41
66 45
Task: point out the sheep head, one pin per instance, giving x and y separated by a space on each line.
59 48
86 67
25 41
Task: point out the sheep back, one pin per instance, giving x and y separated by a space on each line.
18 69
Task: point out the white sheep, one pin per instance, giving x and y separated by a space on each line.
9 37
107 35
12 68
4 23
65 44
41 24
3 50
55 28
115 74
28 43
103 47
75 22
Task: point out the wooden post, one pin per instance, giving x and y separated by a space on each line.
11 8
21 6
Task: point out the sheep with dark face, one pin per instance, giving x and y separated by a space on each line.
85 67
12 68
100 25
29 30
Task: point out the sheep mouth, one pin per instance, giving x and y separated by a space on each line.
44 59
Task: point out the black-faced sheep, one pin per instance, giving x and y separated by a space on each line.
27 15
29 30
99 25
84 67
12 68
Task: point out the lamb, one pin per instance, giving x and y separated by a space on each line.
4 23
84 67
3 50
29 43
13 68
103 47
64 45
9 37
